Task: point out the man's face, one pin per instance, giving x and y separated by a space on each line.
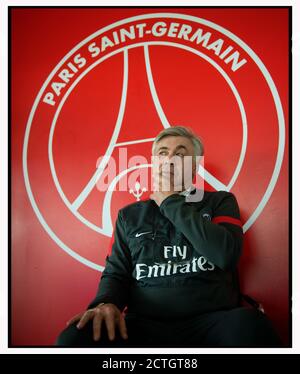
173 163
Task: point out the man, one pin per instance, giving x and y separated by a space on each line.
171 277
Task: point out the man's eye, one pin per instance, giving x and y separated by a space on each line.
180 154
162 153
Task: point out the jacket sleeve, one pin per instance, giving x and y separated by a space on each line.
116 277
219 240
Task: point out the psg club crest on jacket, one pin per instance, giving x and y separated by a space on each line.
112 93
206 216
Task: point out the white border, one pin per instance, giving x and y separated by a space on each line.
3 175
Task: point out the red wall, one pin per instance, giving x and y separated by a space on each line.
49 285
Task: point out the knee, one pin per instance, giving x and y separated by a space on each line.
73 337
250 327
69 337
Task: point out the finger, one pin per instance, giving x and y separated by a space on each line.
97 322
155 184
155 187
122 327
111 326
155 176
84 319
75 318
165 183
156 179
155 170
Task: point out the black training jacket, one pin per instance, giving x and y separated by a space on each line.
174 261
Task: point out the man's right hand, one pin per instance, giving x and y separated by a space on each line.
103 312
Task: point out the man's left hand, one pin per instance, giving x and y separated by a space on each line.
160 184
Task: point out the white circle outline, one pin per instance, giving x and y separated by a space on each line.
104 58
230 35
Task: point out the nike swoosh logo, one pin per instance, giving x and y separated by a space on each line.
142 233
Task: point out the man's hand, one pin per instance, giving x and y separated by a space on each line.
103 312
160 182
160 196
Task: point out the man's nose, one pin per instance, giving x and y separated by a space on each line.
169 160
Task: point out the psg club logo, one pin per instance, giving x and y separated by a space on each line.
109 97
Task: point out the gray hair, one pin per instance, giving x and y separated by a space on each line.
181 131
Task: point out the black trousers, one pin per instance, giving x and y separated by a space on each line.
239 327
